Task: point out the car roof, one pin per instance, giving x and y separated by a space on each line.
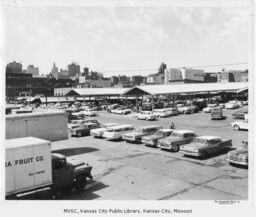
208 137
184 131
166 130
121 126
149 126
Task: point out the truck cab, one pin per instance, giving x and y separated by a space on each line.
69 173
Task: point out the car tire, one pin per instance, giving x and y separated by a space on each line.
176 148
236 127
79 134
80 182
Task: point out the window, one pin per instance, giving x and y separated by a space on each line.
60 163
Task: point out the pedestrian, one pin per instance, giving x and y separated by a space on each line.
172 126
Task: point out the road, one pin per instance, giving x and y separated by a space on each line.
124 171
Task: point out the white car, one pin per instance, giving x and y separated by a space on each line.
161 113
116 132
232 105
240 125
146 115
89 112
99 131
209 107
121 111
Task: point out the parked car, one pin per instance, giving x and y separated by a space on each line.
121 111
161 113
217 113
240 125
205 145
239 156
209 108
139 132
146 115
240 114
99 131
184 110
172 111
176 139
152 140
232 105
116 132
83 130
194 108
89 112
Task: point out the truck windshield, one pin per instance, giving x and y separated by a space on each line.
200 140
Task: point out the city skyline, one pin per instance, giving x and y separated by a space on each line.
112 40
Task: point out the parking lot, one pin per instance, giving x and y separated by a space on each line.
125 171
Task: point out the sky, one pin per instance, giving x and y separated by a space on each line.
126 40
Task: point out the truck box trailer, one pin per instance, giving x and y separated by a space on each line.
27 164
30 165
51 125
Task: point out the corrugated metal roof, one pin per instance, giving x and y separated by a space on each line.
189 88
98 91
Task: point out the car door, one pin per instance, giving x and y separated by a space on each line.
213 146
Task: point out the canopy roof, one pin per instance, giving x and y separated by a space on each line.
96 92
184 88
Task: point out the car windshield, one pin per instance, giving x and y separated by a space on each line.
74 122
175 134
109 130
137 129
201 140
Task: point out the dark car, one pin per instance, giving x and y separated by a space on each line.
84 129
240 114
239 156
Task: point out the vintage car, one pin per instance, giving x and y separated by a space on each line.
240 114
99 131
240 125
116 132
239 156
232 105
139 132
161 113
121 111
176 139
217 113
172 111
203 146
83 130
146 115
209 108
194 108
89 112
152 140
184 110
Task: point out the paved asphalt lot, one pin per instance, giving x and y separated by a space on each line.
124 171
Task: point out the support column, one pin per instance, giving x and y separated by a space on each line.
169 99
208 97
152 102
173 99
84 99
137 109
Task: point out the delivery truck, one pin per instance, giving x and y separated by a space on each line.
30 165
49 125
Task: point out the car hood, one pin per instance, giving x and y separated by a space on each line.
98 130
75 163
242 151
151 137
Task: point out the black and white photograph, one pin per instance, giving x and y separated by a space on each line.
127 101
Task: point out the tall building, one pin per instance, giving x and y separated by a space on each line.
137 79
54 71
74 69
114 80
183 74
86 72
13 67
33 70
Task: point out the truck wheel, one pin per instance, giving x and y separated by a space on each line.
79 134
236 127
80 182
176 148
